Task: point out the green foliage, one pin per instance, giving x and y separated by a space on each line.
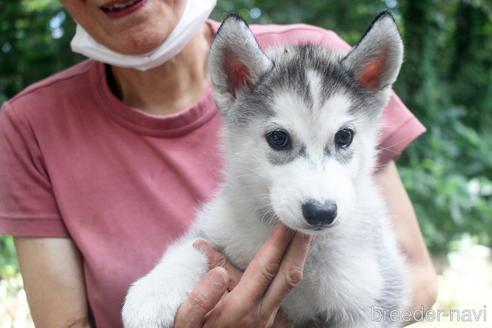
8 263
446 81
447 174
34 43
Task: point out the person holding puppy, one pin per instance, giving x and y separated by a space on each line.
104 164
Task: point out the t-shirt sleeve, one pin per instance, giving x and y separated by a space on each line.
400 126
27 204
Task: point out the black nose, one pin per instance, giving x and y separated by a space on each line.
317 213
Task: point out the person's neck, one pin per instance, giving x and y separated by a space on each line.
171 87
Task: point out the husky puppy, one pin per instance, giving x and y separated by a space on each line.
301 127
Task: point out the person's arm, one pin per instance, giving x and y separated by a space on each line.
423 276
54 282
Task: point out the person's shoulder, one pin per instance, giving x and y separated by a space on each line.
294 34
41 102
269 35
289 30
53 88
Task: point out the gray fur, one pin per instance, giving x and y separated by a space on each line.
286 156
328 150
344 156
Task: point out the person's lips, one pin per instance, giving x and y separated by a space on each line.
122 7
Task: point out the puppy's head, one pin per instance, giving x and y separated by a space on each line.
301 122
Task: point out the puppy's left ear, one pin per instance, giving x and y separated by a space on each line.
376 60
236 61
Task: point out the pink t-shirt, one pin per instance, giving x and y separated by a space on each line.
77 162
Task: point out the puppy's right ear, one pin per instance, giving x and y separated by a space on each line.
236 61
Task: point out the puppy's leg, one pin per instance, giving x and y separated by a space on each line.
153 300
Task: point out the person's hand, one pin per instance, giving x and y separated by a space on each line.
225 297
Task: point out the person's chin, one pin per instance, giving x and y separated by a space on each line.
140 44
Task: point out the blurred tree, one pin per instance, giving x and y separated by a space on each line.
34 43
448 173
472 44
418 75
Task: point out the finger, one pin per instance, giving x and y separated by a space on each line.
203 298
216 258
289 275
264 266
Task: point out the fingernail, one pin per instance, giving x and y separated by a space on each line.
200 245
218 277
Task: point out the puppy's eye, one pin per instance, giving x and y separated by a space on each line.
343 138
278 140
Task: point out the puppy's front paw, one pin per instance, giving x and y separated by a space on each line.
153 300
145 308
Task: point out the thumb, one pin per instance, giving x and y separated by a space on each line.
203 298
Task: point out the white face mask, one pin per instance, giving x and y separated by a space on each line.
194 15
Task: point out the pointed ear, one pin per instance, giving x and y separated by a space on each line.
236 61
376 60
